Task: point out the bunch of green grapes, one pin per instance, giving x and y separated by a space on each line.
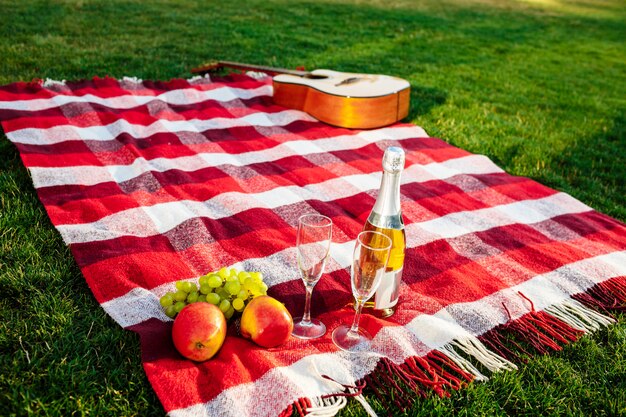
229 289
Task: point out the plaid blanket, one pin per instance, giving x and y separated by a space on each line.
153 182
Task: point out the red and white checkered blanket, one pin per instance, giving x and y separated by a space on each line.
154 182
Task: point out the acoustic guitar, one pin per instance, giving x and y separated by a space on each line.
357 101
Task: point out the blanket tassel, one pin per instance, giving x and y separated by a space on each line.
299 406
608 296
543 331
330 404
395 385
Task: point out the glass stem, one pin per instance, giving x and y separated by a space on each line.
306 317
354 330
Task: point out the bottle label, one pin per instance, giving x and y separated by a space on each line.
389 290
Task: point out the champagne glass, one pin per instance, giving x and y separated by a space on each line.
313 246
369 260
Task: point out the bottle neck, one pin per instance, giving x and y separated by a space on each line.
388 201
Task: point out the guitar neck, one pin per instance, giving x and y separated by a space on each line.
203 69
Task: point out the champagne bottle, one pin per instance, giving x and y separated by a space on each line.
386 217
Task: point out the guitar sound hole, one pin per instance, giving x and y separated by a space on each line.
315 76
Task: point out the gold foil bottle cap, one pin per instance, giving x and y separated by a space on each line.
393 160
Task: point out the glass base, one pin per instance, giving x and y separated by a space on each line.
382 313
310 330
351 342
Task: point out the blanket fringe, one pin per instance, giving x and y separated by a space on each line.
48 83
608 296
326 406
543 331
396 384
579 317
330 404
299 406
474 348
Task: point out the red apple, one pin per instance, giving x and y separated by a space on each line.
266 321
199 331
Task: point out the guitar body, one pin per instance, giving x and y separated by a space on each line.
355 101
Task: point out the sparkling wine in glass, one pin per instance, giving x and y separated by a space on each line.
313 245
369 260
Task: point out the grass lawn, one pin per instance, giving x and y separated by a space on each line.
539 86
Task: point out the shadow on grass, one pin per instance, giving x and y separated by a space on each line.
594 170
424 99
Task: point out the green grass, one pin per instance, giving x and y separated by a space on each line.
538 86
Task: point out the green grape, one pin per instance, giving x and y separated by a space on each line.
256 279
213 298
249 283
170 311
224 273
180 295
238 304
255 289
167 300
192 297
205 289
242 276
232 278
233 287
224 305
214 281
185 286
203 280
224 295
228 288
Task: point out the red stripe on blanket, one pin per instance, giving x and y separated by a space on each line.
85 115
